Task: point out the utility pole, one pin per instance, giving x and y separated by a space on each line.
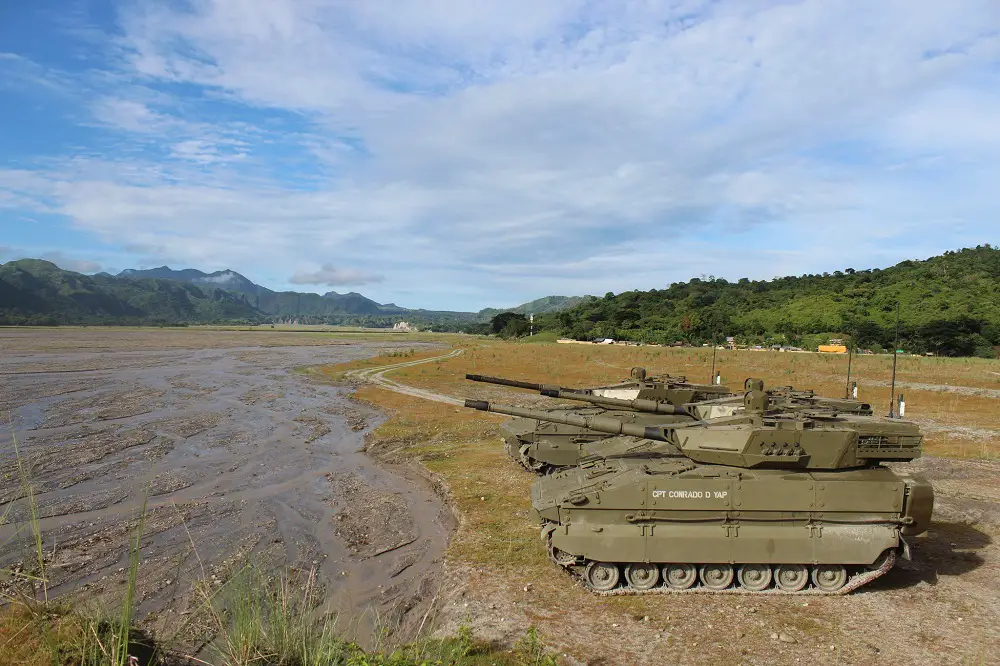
895 350
531 326
715 351
850 355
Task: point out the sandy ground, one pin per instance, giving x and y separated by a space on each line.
243 461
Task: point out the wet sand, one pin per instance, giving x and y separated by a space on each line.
243 461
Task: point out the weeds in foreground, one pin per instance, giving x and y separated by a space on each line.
35 580
46 627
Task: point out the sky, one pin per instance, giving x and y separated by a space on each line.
458 155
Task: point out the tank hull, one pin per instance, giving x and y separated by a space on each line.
728 519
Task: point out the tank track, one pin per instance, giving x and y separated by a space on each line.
854 582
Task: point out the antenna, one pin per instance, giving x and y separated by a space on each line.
895 350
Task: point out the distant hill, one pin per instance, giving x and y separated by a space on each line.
39 292
36 292
543 305
277 303
333 306
949 305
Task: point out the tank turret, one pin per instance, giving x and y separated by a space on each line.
757 437
782 398
788 502
542 447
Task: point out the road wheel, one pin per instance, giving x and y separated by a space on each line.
642 576
754 577
602 576
791 577
829 577
716 576
679 576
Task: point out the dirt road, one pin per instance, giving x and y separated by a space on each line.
242 459
377 376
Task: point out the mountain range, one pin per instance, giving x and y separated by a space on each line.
277 303
33 291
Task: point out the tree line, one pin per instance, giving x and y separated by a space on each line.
949 305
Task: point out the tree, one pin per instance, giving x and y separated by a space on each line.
499 323
515 328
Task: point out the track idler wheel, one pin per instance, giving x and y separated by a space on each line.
791 577
642 576
829 577
716 576
602 576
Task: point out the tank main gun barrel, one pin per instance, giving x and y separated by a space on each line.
596 423
516 384
638 404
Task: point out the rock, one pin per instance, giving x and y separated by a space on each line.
645 618
833 647
774 637
785 638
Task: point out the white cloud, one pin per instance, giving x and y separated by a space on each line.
535 147
332 276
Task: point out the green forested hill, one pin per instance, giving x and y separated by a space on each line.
948 304
539 306
39 292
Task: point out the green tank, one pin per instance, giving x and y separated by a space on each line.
782 397
758 502
542 446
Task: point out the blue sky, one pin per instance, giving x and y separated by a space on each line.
454 155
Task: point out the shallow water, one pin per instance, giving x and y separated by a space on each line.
242 459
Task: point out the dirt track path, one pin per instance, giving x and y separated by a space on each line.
377 376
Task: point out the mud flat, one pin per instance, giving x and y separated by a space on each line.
242 459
